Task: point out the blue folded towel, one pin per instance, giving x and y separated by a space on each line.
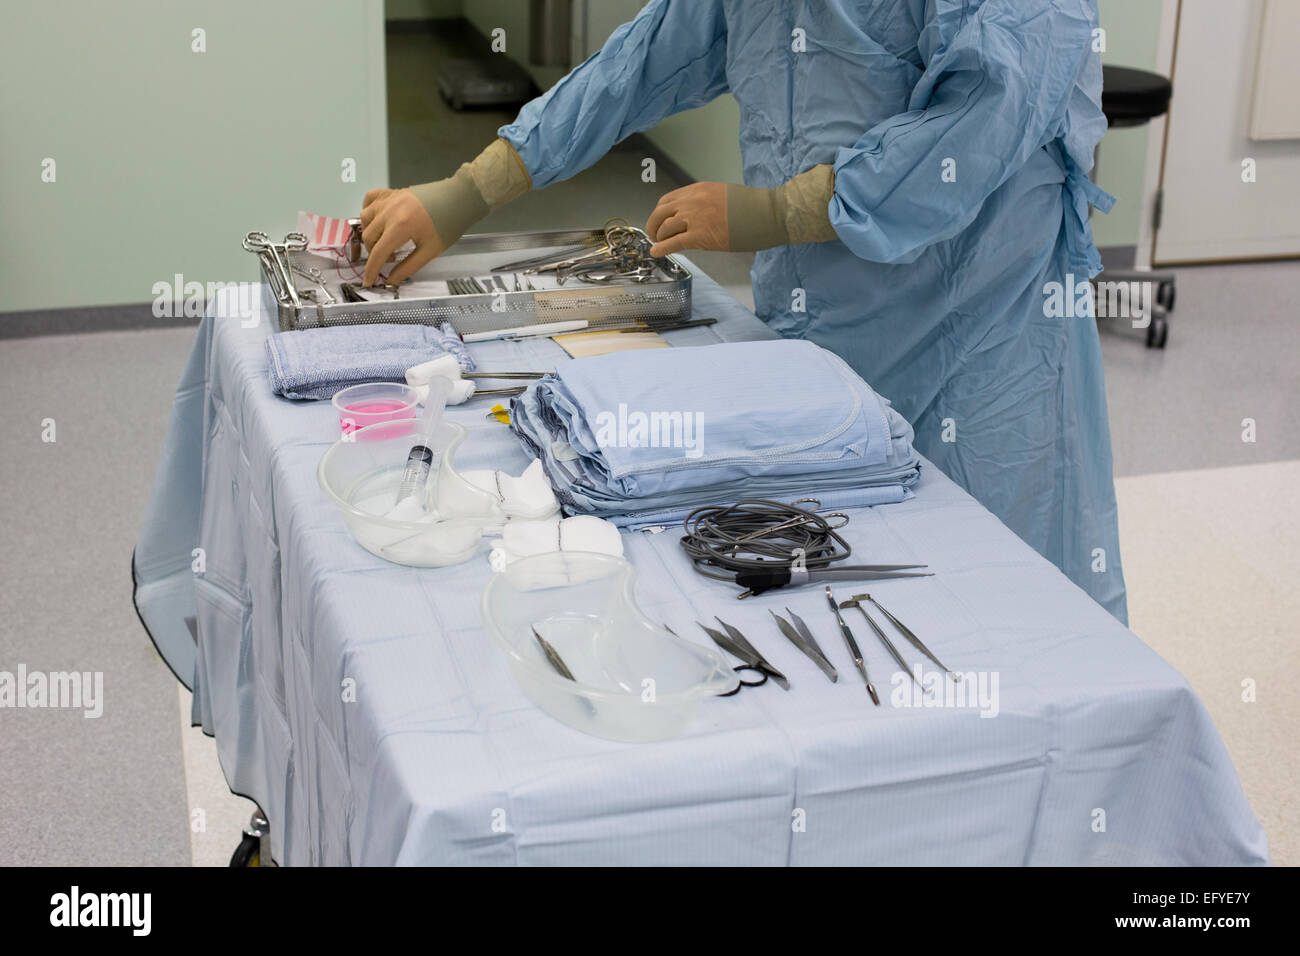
316 363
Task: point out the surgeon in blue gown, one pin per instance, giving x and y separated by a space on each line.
917 174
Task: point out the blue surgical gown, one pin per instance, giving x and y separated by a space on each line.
961 134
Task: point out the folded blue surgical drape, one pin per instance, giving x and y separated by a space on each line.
644 437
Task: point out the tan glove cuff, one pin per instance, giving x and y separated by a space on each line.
787 215
496 176
804 199
500 174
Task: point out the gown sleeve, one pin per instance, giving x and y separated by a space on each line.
671 57
996 86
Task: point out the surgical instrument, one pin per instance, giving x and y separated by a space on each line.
625 254
762 544
743 667
556 661
889 645
671 326
546 258
736 644
260 243
353 291
907 633
852 645
802 638
316 276
527 331
504 374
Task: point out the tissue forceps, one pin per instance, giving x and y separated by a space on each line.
907 633
259 242
735 643
856 601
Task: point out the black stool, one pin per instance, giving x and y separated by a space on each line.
1133 98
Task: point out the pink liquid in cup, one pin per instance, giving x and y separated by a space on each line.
362 414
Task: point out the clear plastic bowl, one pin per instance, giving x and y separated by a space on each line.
360 474
374 402
633 679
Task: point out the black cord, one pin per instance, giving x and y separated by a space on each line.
758 534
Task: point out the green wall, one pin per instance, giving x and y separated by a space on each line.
422 9
165 157
1132 39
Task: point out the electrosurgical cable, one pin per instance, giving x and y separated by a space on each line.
761 544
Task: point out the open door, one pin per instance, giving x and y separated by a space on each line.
1230 157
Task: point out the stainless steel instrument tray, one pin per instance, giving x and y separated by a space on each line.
610 304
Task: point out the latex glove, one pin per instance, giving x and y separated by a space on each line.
434 215
729 217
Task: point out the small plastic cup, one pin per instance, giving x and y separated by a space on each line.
374 402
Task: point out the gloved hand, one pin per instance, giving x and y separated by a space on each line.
434 215
731 218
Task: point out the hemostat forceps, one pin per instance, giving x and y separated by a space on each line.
278 252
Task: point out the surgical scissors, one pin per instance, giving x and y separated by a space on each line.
736 643
260 243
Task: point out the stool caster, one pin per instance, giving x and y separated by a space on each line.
1166 295
249 851
1158 332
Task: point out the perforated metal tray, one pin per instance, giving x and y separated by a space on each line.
612 304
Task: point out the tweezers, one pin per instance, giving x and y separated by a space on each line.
889 645
907 633
735 643
802 638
